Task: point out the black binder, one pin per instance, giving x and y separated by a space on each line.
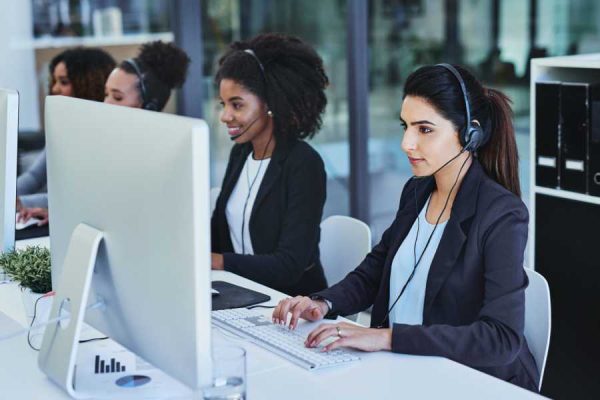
547 119
594 142
574 134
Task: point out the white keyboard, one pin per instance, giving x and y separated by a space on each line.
289 344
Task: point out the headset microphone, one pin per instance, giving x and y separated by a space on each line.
440 168
269 113
234 137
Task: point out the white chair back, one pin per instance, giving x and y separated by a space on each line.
345 241
538 319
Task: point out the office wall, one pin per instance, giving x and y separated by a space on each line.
17 59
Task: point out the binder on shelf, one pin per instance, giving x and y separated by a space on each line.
594 142
547 125
574 134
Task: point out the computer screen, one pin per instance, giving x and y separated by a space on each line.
9 126
142 179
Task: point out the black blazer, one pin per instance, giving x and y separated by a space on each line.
474 300
284 223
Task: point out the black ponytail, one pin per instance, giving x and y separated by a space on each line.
500 157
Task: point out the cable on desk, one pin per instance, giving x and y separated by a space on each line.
259 306
50 321
93 339
49 294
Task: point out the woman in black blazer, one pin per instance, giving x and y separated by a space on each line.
265 226
467 297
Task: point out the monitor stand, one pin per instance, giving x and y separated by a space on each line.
61 339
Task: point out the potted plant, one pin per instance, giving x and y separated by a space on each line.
30 268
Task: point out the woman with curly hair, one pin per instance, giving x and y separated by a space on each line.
146 81
79 72
265 226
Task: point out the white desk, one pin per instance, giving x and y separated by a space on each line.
379 375
43 241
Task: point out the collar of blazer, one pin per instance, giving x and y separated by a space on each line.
454 235
238 159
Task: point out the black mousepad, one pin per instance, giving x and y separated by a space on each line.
233 296
32 231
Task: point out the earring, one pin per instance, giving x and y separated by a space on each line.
270 113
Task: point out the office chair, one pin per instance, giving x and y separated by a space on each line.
538 319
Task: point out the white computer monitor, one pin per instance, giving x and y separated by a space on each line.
9 127
139 181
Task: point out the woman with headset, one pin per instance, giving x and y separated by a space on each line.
447 277
78 72
146 81
265 226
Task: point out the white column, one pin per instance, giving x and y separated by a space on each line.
17 59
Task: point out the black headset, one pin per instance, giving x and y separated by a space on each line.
473 136
147 104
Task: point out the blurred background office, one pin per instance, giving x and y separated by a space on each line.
369 48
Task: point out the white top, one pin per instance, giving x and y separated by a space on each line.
244 193
409 309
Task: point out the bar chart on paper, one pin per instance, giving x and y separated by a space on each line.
107 367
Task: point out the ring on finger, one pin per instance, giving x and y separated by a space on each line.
339 331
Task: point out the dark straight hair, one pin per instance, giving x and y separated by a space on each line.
499 156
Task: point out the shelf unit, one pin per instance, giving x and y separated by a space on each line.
565 232
98 41
578 68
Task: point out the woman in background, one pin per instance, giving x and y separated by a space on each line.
147 80
79 72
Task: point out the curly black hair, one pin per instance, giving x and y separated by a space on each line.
163 67
87 69
292 83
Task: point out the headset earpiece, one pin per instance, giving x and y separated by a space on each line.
474 137
151 105
147 104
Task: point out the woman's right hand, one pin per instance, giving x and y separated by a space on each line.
299 307
26 213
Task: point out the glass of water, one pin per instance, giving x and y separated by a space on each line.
229 374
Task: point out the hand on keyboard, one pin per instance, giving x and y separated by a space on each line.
299 307
350 335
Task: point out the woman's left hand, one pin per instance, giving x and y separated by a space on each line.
350 335
216 261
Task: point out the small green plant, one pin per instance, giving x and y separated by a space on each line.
30 267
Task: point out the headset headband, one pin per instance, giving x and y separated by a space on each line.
253 54
140 76
463 89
